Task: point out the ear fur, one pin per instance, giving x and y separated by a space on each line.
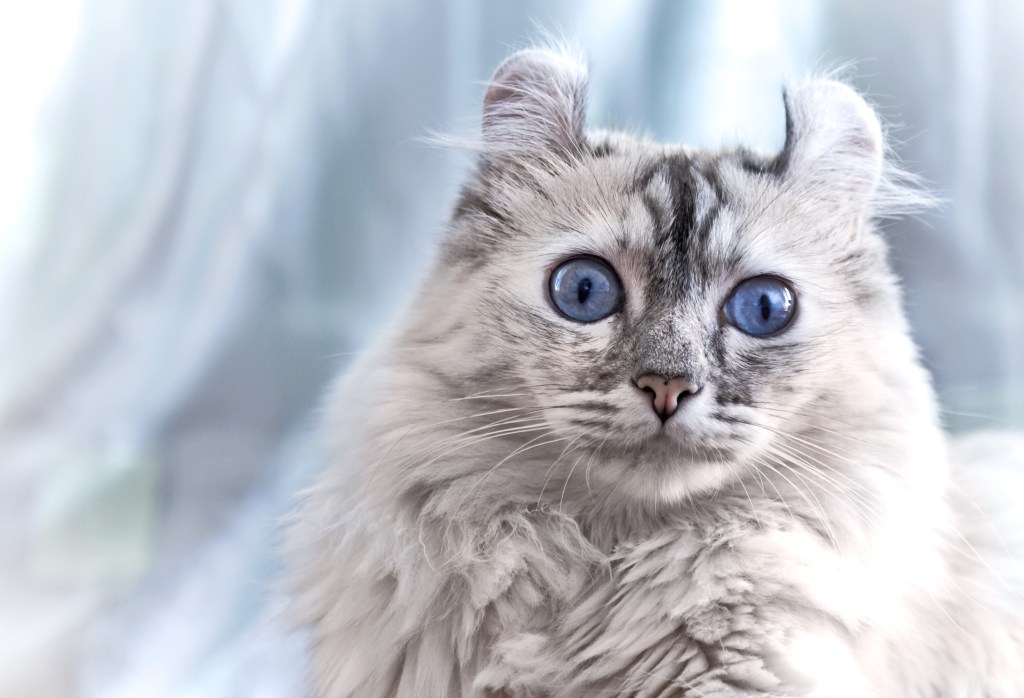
536 100
833 139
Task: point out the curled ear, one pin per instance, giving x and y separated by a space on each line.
833 140
536 100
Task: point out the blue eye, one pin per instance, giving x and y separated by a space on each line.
585 289
761 306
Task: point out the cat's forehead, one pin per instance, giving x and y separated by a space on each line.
684 208
548 180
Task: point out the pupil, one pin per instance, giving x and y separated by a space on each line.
583 291
766 306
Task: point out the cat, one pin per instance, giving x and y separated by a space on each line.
654 425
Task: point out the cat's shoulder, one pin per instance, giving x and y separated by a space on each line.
989 464
987 488
989 448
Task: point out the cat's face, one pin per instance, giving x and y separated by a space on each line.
671 313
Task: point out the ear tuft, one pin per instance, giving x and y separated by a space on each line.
833 138
536 99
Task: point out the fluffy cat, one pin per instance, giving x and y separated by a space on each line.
654 425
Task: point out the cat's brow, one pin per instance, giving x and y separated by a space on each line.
696 195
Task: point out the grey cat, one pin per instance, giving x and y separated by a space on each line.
654 425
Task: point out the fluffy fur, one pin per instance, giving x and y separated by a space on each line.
504 515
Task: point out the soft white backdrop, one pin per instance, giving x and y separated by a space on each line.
208 205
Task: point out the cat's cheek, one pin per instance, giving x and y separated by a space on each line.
716 426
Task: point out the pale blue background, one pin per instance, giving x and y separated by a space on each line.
218 201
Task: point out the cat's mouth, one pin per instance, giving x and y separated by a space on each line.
644 426
663 468
670 446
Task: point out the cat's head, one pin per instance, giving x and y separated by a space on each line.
678 315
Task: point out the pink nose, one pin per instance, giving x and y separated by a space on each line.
667 392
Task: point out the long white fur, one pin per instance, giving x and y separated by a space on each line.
440 557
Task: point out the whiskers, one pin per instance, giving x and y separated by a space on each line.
835 473
449 460
808 468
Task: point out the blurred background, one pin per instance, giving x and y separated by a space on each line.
207 206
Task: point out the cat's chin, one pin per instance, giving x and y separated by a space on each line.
664 469
676 485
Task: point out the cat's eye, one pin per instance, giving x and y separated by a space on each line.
761 306
585 289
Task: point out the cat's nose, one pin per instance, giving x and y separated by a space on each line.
666 392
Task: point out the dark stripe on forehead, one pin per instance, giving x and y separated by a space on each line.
712 181
678 172
712 174
692 182
655 208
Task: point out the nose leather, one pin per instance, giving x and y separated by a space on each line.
666 392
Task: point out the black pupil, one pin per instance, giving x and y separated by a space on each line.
766 306
583 291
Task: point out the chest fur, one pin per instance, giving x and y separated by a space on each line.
674 611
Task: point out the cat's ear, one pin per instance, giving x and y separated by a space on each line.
536 100
833 140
